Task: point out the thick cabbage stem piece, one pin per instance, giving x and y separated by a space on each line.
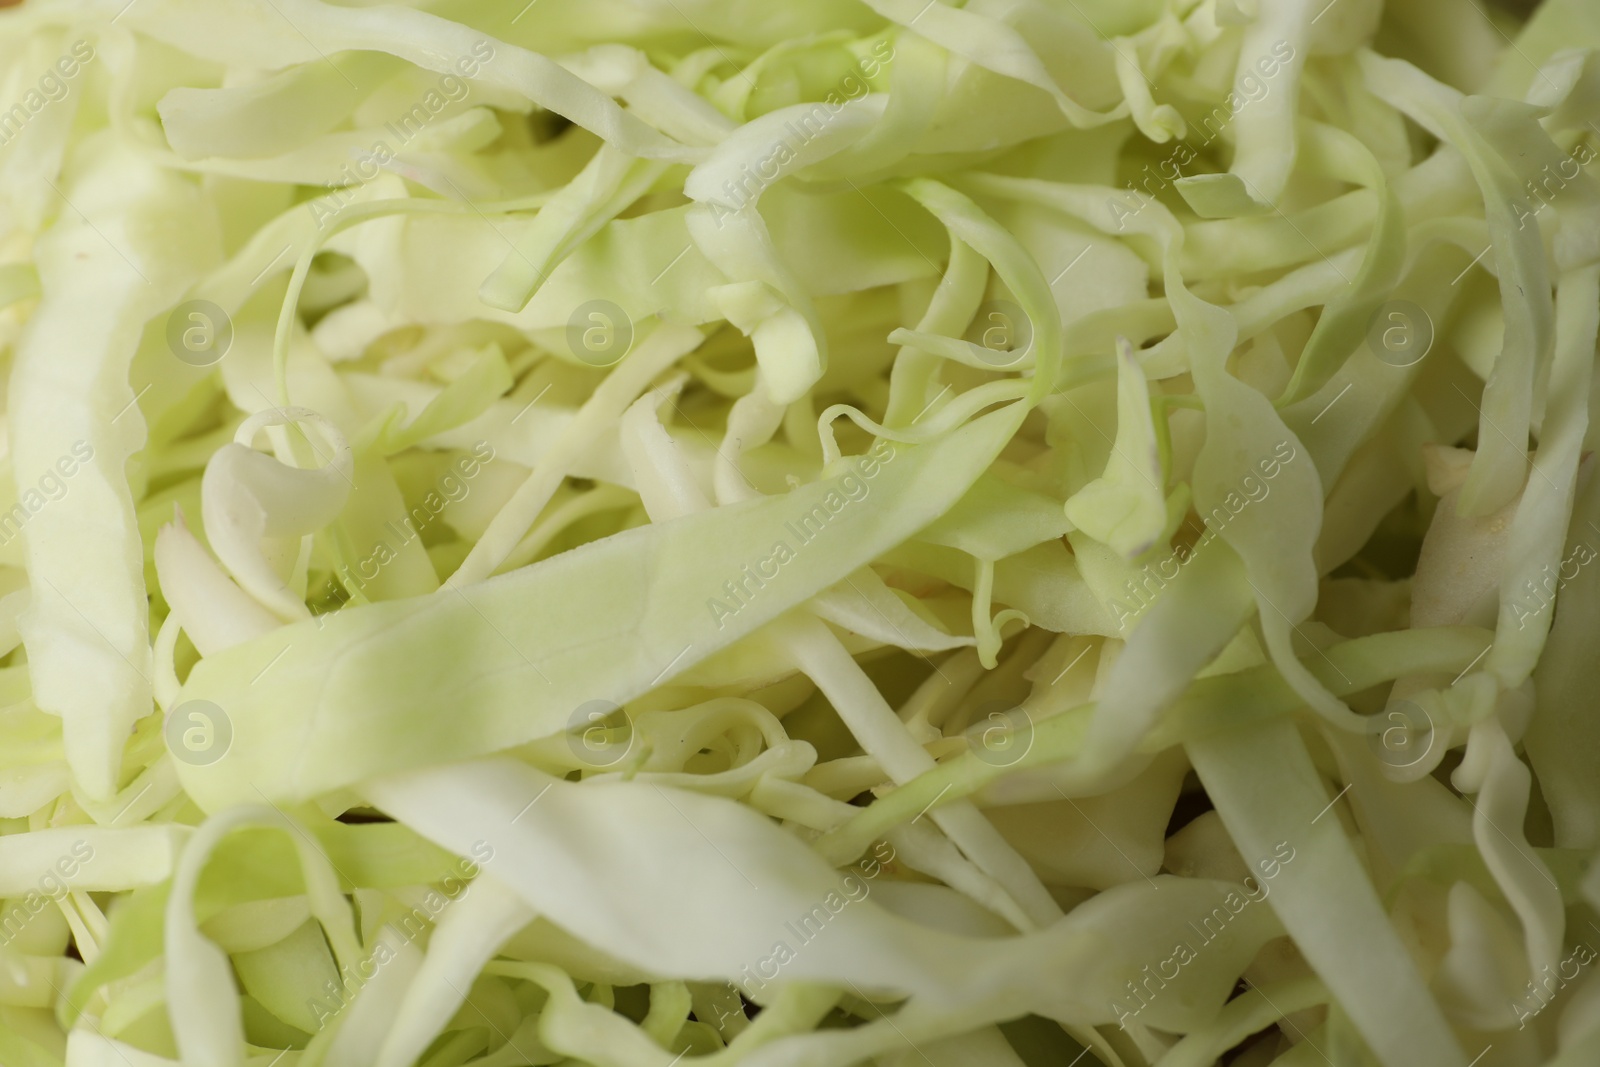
71 414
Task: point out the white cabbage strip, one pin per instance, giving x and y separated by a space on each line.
966 533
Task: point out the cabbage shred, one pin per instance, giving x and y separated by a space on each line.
632 534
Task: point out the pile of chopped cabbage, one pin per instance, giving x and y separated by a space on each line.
698 532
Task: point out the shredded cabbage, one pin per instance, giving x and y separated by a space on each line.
629 533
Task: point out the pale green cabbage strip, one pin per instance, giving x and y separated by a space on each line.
694 533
